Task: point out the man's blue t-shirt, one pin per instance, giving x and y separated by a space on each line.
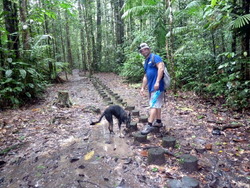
152 71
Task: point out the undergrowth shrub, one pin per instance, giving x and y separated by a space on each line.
215 81
133 69
20 82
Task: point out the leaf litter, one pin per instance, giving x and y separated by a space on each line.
46 146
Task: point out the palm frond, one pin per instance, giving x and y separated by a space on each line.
193 4
177 30
241 21
139 10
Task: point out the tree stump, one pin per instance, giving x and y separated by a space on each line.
63 99
185 182
135 113
119 100
155 129
138 137
156 156
130 108
124 103
190 163
168 141
110 102
190 182
106 99
133 126
117 97
143 119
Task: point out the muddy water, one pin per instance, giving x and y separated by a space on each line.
69 152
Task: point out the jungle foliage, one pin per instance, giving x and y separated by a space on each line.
205 44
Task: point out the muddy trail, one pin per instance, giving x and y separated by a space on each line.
46 146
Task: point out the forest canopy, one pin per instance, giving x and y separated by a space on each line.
205 44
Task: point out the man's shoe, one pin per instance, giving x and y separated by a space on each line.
159 125
147 129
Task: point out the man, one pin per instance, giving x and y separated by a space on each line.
153 79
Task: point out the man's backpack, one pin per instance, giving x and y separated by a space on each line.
166 76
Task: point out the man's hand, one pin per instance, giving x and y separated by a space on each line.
142 92
156 86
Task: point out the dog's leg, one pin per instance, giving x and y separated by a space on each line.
120 130
109 118
111 128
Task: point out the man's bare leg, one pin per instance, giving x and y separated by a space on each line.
152 115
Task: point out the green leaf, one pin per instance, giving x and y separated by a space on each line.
23 73
8 73
8 80
213 3
28 94
41 167
18 89
154 169
241 21
31 85
65 5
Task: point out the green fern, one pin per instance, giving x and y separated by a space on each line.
241 21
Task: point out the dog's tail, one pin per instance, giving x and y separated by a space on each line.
95 122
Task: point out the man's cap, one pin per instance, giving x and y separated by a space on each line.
143 46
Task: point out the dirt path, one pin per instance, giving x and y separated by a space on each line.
56 147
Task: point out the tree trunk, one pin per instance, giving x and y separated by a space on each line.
170 46
11 24
246 42
68 43
25 28
61 36
99 33
89 37
83 45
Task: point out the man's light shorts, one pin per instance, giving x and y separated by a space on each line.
159 100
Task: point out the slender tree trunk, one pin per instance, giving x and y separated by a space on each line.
82 46
61 36
246 41
25 28
94 62
1 57
170 45
68 43
11 24
89 37
99 33
119 29
213 45
233 46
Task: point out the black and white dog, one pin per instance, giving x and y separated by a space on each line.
119 113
